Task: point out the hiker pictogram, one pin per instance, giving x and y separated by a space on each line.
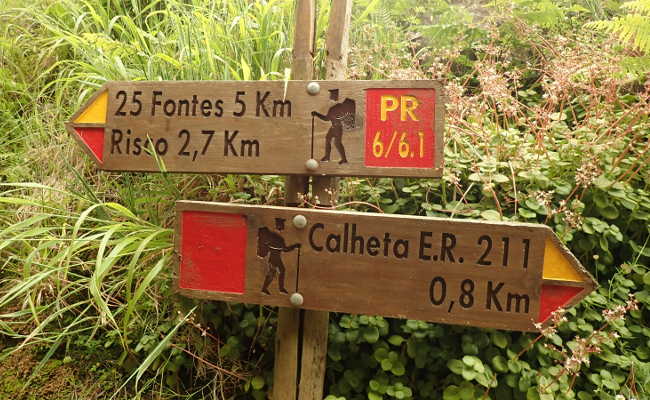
341 116
270 246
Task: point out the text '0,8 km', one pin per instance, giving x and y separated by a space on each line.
497 275
351 128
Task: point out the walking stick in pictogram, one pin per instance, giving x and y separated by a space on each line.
312 137
297 269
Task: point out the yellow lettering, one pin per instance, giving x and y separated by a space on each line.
408 105
388 103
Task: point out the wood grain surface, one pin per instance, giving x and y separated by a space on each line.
265 127
462 272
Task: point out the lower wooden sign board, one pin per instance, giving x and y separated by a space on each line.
485 274
343 128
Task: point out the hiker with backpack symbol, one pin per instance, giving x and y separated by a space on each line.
340 115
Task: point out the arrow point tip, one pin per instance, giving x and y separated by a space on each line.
93 138
554 297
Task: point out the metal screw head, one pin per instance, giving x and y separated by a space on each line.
313 88
299 221
311 164
296 299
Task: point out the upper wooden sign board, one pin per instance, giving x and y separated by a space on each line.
477 273
351 128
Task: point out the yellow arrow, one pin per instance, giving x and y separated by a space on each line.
94 111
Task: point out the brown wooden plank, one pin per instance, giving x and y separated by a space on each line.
259 128
387 265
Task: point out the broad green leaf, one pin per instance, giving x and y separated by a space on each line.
474 177
500 178
602 182
396 340
451 393
532 394
466 391
374 396
609 212
398 369
370 334
514 366
469 360
455 366
469 374
386 364
499 363
257 382
646 278
499 339
381 353
526 213
491 215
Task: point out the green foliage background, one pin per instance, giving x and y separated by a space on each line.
547 122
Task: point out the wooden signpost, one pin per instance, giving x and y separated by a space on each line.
308 262
464 272
337 128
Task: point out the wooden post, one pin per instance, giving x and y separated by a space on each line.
287 339
338 33
302 63
301 339
316 323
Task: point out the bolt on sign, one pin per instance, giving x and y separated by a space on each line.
344 128
486 274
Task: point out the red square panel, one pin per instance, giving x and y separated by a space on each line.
400 128
213 251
